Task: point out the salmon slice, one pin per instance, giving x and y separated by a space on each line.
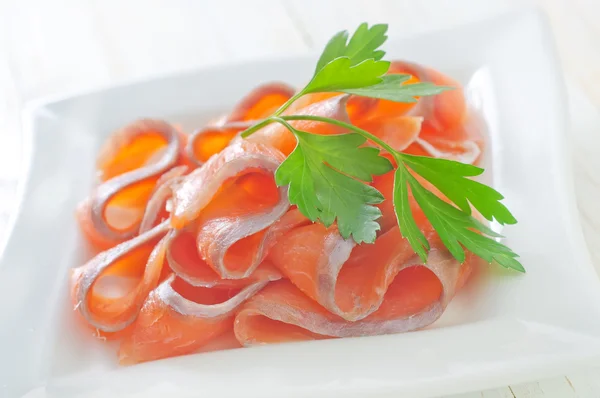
463 143
399 132
130 164
109 290
348 280
179 319
225 341
186 263
415 298
184 260
261 102
232 201
279 137
449 129
442 114
443 111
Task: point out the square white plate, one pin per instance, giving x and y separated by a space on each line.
505 328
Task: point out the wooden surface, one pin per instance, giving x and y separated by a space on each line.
48 47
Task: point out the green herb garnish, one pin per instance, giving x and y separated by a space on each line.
327 174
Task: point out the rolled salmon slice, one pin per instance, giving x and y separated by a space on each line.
256 105
130 164
261 102
186 263
417 297
443 111
450 130
230 202
179 319
109 290
463 143
399 132
348 280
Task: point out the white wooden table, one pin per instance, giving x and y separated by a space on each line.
47 47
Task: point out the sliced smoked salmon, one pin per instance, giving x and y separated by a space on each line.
416 298
445 110
129 165
109 290
232 200
178 319
463 143
184 258
399 132
203 250
258 104
261 102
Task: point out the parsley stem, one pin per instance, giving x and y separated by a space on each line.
397 155
287 103
254 128
282 121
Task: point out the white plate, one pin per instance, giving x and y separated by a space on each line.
506 328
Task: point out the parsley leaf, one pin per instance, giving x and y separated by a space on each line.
296 172
450 177
457 229
325 174
406 221
351 64
363 45
340 74
391 88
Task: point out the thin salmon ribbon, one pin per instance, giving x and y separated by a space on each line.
256 105
396 296
231 201
134 265
449 128
185 261
179 319
348 280
130 164
194 306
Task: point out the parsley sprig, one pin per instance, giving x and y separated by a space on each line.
328 175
